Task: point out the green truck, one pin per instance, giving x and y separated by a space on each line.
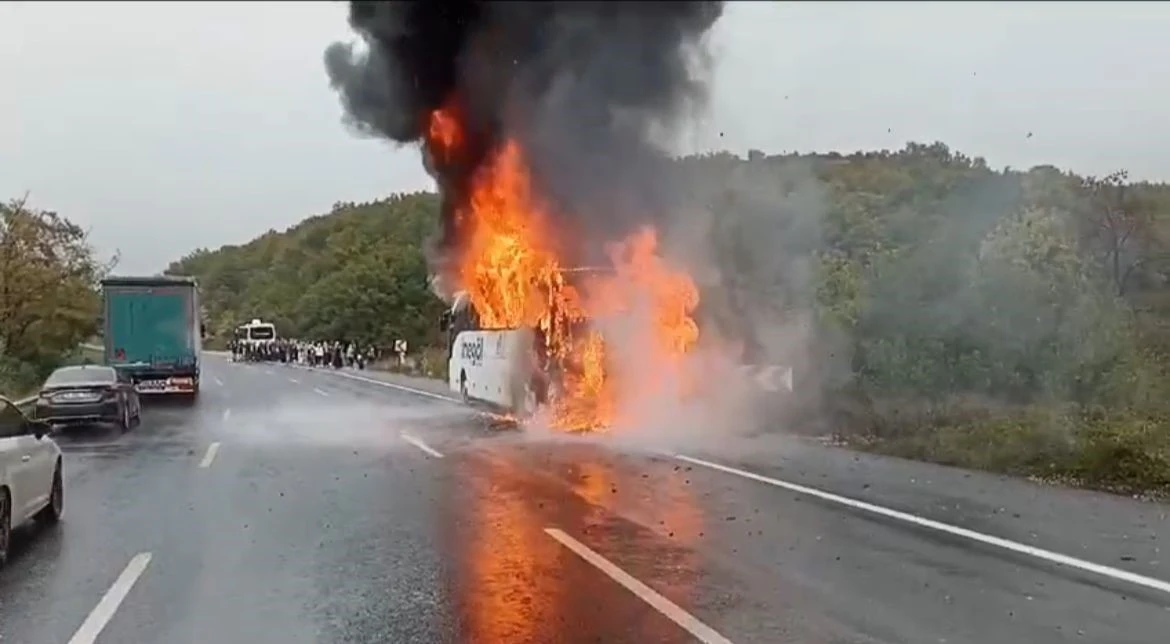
153 332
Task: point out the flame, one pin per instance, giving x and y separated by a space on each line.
509 262
443 133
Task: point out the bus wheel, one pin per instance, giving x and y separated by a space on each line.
463 387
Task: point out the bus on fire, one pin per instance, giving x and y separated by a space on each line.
508 369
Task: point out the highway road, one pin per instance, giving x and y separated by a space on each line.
292 506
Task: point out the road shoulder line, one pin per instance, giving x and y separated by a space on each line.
104 611
1083 565
390 385
667 608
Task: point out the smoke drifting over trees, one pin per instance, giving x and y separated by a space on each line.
942 308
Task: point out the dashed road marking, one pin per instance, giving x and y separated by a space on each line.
104 611
669 609
227 413
320 393
421 445
269 372
294 381
999 542
218 381
209 457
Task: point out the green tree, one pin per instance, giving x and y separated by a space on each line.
48 291
358 273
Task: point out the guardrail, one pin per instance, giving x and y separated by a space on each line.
24 404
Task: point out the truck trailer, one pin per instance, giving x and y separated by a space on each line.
153 332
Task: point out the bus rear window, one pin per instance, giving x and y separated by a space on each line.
261 333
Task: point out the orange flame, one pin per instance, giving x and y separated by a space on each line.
509 263
443 132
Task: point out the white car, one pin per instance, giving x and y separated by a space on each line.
31 486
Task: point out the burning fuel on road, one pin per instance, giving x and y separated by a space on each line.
538 121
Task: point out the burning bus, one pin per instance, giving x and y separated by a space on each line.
545 146
519 370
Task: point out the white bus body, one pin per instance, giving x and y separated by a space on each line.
498 367
495 367
256 332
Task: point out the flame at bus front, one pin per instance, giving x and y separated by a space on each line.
509 262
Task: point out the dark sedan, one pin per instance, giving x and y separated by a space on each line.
88 394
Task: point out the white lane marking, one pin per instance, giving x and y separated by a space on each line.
391 385
269 372
97 620
294 381
669 609
421 445
218 381
999 542
209 457
320 393
227 413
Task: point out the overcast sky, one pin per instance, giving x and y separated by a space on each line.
168 126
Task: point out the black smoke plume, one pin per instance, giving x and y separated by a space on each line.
581 85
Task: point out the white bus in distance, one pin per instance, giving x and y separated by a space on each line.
253 334
504 368
256 332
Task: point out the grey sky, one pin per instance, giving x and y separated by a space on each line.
168 126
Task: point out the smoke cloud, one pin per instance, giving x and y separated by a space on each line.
582 86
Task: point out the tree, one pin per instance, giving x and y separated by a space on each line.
357 273
48 283
1118 226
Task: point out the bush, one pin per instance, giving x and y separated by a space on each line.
431 362
18 378
1124 452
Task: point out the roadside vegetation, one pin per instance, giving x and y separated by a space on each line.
1016 321
357 273
49 300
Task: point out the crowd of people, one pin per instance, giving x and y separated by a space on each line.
335 354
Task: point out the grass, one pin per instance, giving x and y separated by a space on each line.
1121 452
429 363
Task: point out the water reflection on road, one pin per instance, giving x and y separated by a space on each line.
508 591
511 582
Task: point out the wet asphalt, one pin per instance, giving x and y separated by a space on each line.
333 510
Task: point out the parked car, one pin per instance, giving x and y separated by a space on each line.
87 394
31 485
